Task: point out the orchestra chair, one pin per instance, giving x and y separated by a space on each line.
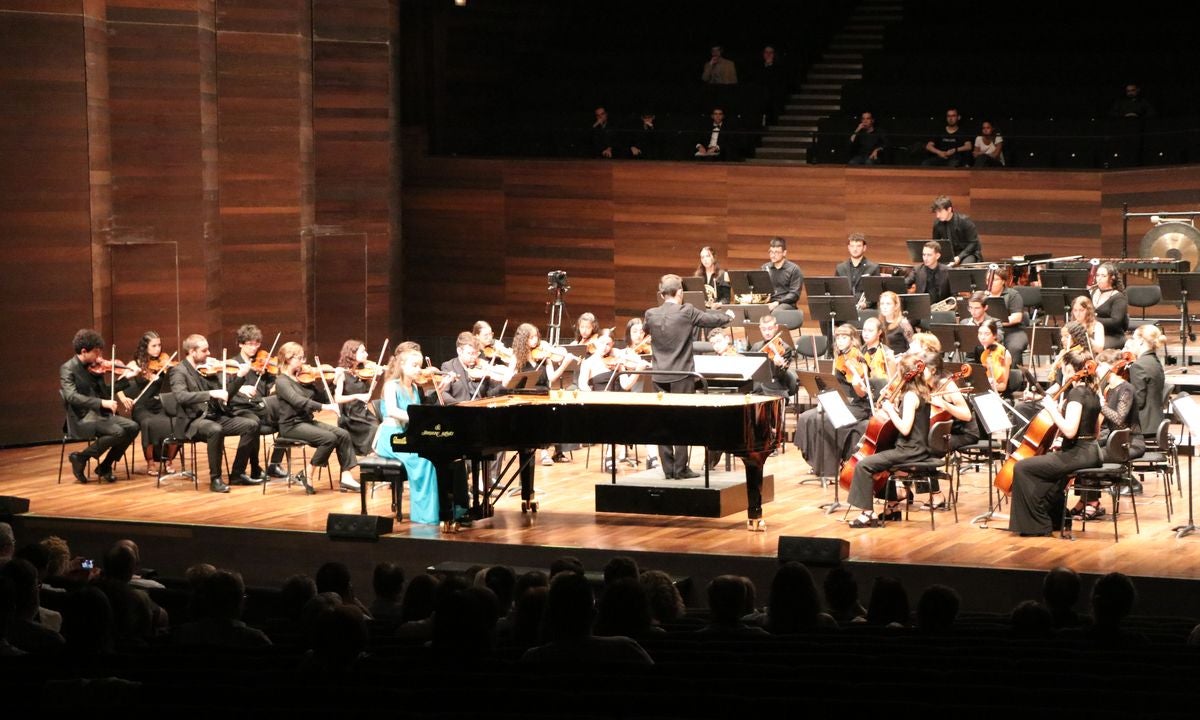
790 319
1142 296
179 437
1162 458
936 468
1114 474
72 433
287 445
806 350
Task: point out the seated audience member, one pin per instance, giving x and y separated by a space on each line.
334 577
87 622
528 615
464 621
949 146
718 70
138 619
417 608
217 616
566 563
286 619
339 640
1060 592
989 147
1113 597
888 606
39 558
602 135
570 608
24 630
138 580
937 609
867 142
665 602
620 568
841 597
388 583
1132 106
794 606
727 605
647 142
718 143
1031 620
502 581
624 610
8 542
8 613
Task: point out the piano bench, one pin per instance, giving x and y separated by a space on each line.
377 470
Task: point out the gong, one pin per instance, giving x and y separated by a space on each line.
1172 240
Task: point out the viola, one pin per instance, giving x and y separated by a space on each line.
851 364
162 362
263 361
993 362
546 351
310 374
367 370
498 351
104 366
213 367
1038 436
881 434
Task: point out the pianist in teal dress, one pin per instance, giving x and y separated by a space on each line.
399 391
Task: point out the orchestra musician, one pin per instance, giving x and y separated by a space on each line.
549 369
994 357
1118 411
911 421
1013 332
716 279
585 329
298 400
1038 481
946 400
671 326
786 277
255 399
931 276
352 392
467 372
89 397
1084 313
1147 377
722 342
897 331
1071 337
959 229
1112 307
976 308
821 445
783 381
879 356
205 405
400 390
596 375
144 387
637 341
857 265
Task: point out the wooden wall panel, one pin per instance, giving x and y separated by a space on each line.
1176 188
1037 212
46 280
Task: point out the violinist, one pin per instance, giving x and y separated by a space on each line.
1014 336
820 444
467 372
550 368
297 403
585 329
400 391
489 345
636 338
717 289
879 356
948 401
252 398
1147 377
352 392
783 381
1071 338
89 399
1118 411
994 357
722 342
1038 481
1084 313
1112 307
148 410
911 421
205 406
897 331
596 375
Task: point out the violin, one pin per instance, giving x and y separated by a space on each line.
498 351
263 360
104 366
1039 434
158 364
964 371
367 370
1120 366
213 367
484 371
643 348
309 374
426 375
777 347
546 351
993 362
851 364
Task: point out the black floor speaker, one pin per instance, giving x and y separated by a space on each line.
11 505
814 551
357 527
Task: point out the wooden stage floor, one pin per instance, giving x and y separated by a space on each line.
568 520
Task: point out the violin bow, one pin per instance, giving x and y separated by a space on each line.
267 362
436 388
112 388
492 361
157 375
378 366
336 410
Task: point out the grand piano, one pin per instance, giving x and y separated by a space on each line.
749 426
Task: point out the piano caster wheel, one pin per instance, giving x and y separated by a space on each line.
756 525
529 506
449 527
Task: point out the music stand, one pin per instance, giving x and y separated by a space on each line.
694 297
693 284
1187 410
1054 299
873 286
1059 278
978 378
997 309
833 309
916 308
744 282
968 280
827 285
832 406
1181 288
523 382
751 314
916 246
989 409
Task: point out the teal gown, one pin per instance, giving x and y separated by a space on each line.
422 477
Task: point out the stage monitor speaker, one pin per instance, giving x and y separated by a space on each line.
357 527
11 505
817 552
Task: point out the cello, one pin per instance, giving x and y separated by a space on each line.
1039 435
880 434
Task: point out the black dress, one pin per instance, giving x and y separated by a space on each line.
1120 411
148 413
356 417
719 285
909 448
820 443
1113 314
1038 482
897 337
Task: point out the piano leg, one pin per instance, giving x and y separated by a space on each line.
754 463
528 497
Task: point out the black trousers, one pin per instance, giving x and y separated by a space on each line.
214 430
113 433
674 458
326 439
264 413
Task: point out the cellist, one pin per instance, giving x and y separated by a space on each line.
1038 481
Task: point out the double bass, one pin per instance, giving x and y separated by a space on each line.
880 434
1039 435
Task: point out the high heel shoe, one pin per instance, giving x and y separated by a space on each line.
756 525
302 478
865 520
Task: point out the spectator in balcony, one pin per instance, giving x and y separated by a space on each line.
718 70
647 144
989 147
717 145
602 135
1133 105
949 147
771 78
867 142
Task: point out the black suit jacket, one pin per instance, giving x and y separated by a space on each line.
84 390
463 388
936 283
191 392
670 327
1147 377
866 267
961 232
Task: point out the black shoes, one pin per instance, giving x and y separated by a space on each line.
275 471
687 474
217 486
244 479
106 475
78 466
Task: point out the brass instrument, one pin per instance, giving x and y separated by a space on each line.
754 298
949 304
